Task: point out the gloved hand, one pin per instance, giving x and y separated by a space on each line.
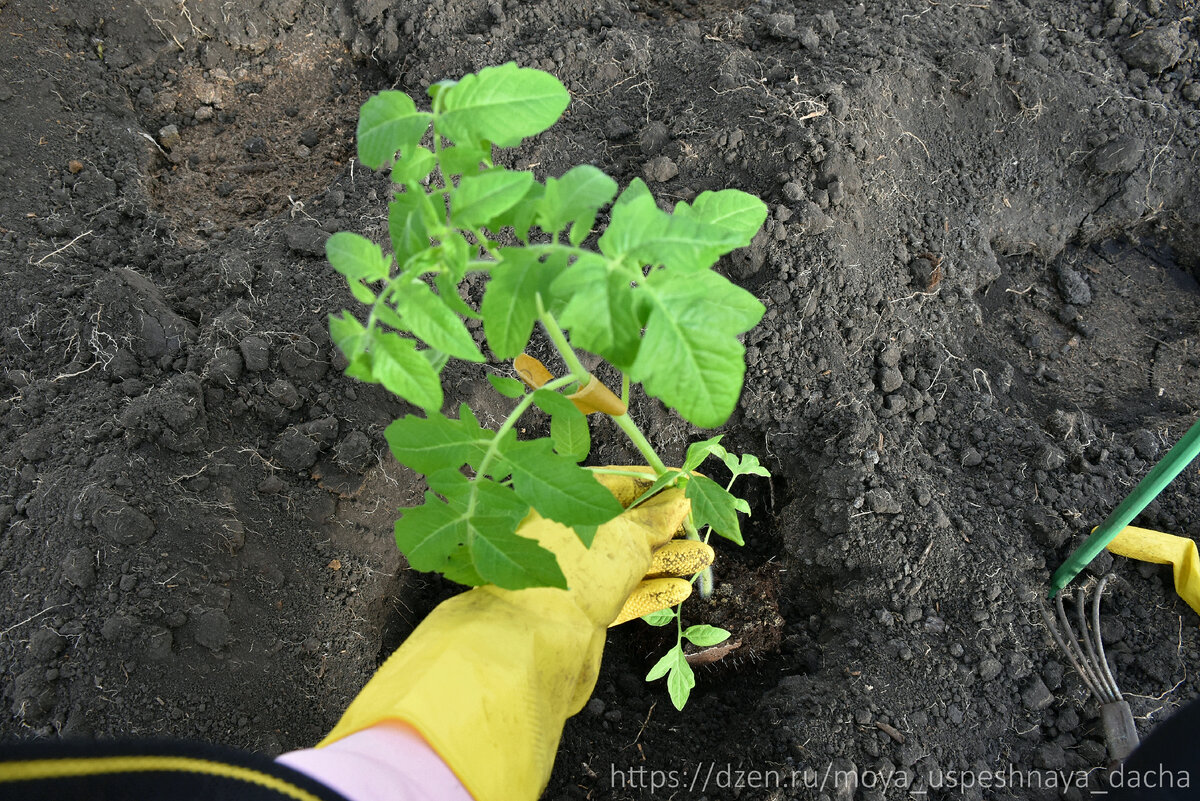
491 675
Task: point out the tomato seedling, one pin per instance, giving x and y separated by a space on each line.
645 299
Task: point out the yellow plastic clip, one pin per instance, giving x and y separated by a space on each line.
1164 549
594 396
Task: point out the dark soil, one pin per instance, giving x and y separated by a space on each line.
982 329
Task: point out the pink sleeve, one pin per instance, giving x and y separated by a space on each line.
389 761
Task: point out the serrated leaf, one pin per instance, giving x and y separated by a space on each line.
660 618
731 209
502 105
680 682
697 452
690 357
415 165
601 309
750 465
640 230
428 535
397 365
705 636
433 443
712 505
509 304
568 426
559 489
464 159
389 122
502 556
513 562
479 198
428 316
356 257
407 224
662 666
575 198
508 387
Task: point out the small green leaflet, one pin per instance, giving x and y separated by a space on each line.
433 443
508 387
640 230
389 122
575 198
601 310
697 452
358 259
660 618
732 209
509 304
427 316
414 166
747 465
464 160
479 198
680 678
347 333
501 105
398 365
705 636
712 505
568 426
558 488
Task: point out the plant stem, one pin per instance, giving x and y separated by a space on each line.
510 421
625 422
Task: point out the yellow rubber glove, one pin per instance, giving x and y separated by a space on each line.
491 675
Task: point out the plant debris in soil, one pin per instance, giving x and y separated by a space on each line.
980 274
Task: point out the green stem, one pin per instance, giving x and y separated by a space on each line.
493 447
626 424
560 342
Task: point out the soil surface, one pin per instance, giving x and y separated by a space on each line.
982 329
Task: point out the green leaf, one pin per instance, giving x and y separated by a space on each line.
663 665
431 534
356 257
522 214
397 365
712 505
660 618
640 230
501 105
389 122
697 452
347 333
601 311
433 443
558 488
428 316
704 636
509 304
742 506
751 466
479 198
732 209
414 166
502 556
575 198
666 478
690 356
464 159
508 387
568 426
407 224
680 682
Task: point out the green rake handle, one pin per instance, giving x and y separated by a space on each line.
1171 465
